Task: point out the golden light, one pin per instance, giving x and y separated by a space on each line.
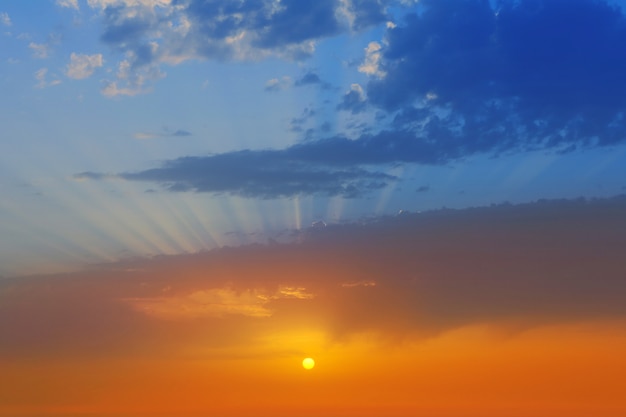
308 363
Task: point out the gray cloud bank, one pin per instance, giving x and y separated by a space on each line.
413 275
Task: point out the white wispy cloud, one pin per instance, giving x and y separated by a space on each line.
5 19
276 84
40 50
41 77
70 4
82 66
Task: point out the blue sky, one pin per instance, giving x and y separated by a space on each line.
147 127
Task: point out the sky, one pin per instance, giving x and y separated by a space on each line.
427 197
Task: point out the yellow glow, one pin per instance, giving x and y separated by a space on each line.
308 363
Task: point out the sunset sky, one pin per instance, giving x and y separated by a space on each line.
426 197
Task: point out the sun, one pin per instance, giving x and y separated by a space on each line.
308 363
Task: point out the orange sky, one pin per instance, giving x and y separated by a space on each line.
478 313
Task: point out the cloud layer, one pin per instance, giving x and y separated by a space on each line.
414 275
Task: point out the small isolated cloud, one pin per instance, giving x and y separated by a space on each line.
83 176
311 78
5 19
353 100
164 134
423 189
40 50
70 4
82 66
41 77
276 84
371 66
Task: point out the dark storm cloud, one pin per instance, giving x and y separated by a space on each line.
530 74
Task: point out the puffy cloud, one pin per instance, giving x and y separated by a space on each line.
371 66
82 66
157 32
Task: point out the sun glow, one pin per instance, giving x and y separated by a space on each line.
308 363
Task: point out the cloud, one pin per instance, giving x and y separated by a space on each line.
276 84
354 100
82 66
363 13
260 174
70 4
529 75
41 77
131 82
311 78
334 166
165 133
152 33
371 66
5 19
414 275
40 50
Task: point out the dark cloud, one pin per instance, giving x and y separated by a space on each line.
311 78
332 166
181 132
353 101
260 174
423 189
520 266
367 13
531 74
297 123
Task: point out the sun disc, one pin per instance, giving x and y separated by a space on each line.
308 363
